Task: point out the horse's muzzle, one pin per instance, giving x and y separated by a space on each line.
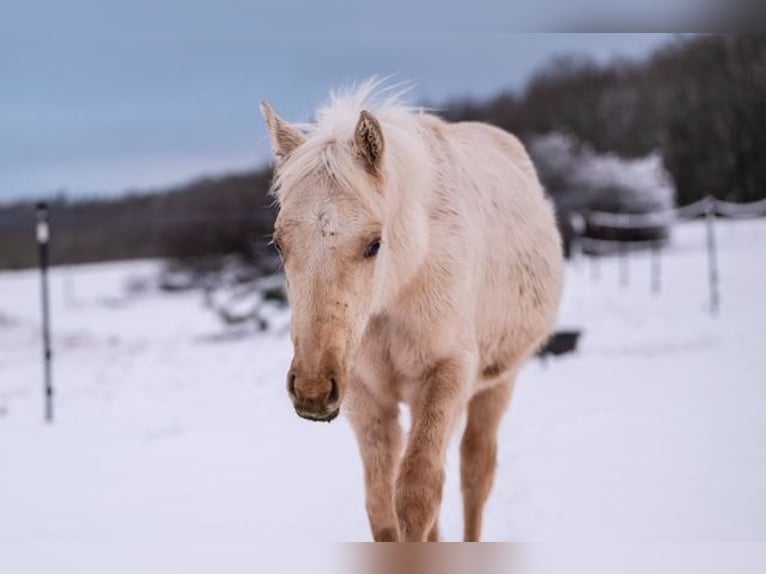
316 399
323 417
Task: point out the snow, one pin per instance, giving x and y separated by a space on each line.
171 427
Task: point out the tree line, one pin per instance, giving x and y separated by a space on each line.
700 102
198 223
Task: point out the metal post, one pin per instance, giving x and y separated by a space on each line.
43 236
656 268
712 258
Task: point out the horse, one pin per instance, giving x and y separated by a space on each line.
423 267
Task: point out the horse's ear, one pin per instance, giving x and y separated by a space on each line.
368 139
284 137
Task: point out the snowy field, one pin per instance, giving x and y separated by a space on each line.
171 427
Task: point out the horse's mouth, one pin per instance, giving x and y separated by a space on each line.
317 417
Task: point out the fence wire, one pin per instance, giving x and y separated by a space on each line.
687 212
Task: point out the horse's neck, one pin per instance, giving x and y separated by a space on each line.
409 221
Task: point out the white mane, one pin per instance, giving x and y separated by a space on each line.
328 150
341 112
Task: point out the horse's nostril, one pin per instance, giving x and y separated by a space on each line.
291 384
334 391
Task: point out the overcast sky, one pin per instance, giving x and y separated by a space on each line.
96 104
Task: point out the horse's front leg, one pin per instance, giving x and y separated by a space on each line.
379 435
420 482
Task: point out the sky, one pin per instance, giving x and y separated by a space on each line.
98 101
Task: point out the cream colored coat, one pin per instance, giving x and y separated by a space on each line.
464 288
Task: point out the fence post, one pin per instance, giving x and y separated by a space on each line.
712 257
577 227
43 237
656 268
623 255
595 272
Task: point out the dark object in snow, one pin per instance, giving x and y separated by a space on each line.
241 302
276 294
560 343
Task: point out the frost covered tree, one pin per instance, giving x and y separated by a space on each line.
580 180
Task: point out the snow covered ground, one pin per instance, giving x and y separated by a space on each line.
169 427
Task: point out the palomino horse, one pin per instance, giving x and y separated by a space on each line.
424 267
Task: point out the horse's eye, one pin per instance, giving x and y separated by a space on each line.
372 249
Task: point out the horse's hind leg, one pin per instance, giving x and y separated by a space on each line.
478 452
380 443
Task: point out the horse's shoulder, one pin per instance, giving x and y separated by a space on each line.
499 138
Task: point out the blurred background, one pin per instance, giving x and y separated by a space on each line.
167 132
643 419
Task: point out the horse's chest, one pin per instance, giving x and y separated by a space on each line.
395 355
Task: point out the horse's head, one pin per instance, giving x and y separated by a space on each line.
331 234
